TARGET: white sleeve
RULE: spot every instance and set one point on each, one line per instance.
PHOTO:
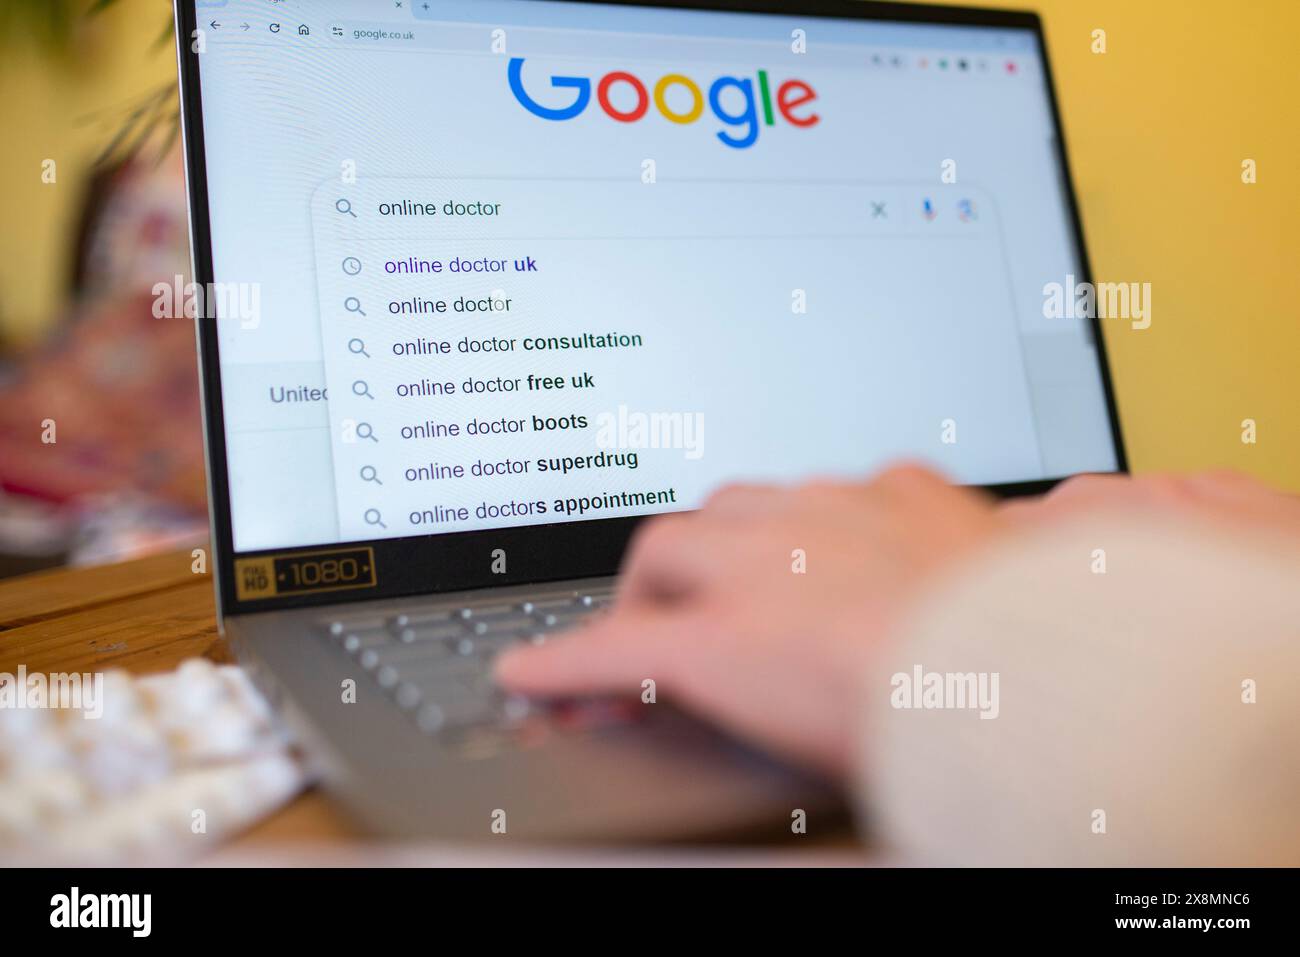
(1141, 686)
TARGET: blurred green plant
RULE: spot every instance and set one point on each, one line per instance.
(49, 24)
(149, 123)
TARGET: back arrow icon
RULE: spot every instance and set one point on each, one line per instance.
(215, 25)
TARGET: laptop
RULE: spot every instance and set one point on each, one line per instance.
(486, 283)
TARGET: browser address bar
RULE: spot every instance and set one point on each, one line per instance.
(489, 39)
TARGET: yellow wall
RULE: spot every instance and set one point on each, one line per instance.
(1158, 127)
(63, 106)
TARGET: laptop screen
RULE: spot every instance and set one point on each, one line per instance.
(490, 263)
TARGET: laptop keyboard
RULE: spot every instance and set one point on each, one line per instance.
(435, 662)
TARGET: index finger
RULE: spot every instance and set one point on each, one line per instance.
(610, 656)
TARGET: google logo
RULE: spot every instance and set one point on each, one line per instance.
(791, 96)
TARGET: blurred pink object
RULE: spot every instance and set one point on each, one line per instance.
(107, 410)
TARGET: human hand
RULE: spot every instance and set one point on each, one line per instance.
(714, 607)
(1223, 497)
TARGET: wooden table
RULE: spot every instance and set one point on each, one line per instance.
(142, 616)
(150, 615)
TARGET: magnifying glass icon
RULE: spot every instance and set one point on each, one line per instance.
(353, 304)
(364, 431)
(373, 517)
(370, 474)
(358, 348)
(345, 207)
(360, 388)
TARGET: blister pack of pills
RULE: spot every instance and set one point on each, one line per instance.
(161, 767)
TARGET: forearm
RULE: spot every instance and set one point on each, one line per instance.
(1147, 691)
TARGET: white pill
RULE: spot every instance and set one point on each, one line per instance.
(191, 692)
(135, 755)
(43, 748)
(245, 693)
(20, 817)
(17, 723)
(58, 792)
(121, 698)
(227, 732)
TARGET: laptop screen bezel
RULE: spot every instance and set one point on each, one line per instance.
(457, 561)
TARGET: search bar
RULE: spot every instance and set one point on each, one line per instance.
(465, 209)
